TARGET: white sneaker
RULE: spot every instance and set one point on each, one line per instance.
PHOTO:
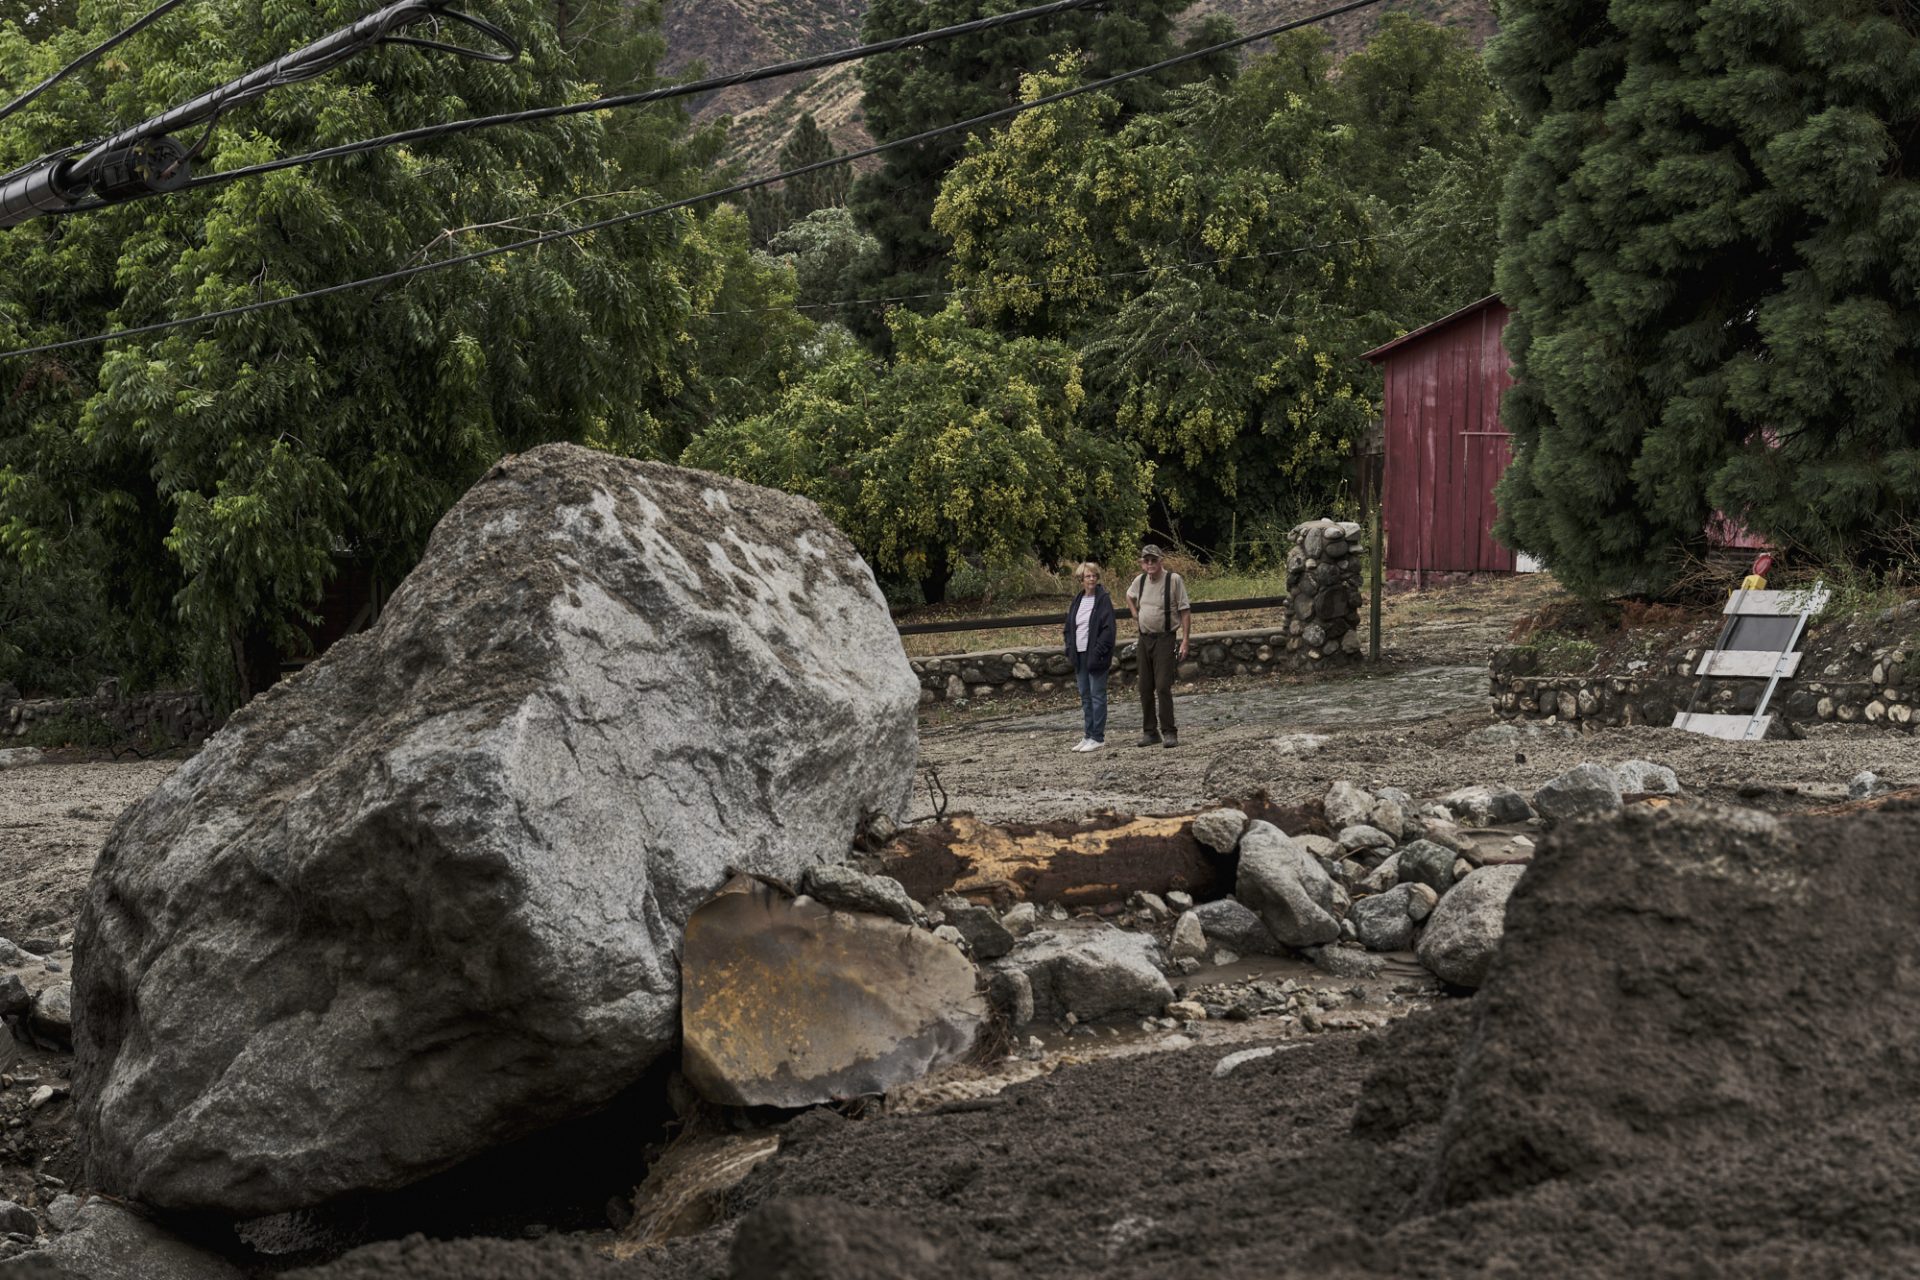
(1095, 746)
(1085, 744)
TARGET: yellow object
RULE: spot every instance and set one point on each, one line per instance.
(1753, 582)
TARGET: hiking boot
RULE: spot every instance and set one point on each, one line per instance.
(1171, 740)
(1148, 740)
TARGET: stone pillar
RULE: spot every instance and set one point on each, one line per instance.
(1326, 581)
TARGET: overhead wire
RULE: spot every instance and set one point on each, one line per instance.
(1157, 268)
(737, 188)
(664, 93)
(132, 29)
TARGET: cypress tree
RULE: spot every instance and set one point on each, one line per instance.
(1709, 245)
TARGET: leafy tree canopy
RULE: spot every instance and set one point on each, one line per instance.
(1213, 261)
(224, 473)
(918, 89)
(964, 442)
(1708, 240)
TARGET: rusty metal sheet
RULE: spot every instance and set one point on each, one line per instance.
(787, 1003)
(1076, 864)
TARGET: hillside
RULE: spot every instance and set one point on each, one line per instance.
(732, 35)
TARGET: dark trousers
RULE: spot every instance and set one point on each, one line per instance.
(1156, 656)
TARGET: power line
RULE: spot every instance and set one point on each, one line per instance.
(927, 135)
(142, 160)
(962, 290)
(712, 84)
(139, 25)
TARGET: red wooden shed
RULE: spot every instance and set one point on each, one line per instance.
(1444, 444)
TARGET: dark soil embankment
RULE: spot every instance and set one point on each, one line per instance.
(1697, 1055)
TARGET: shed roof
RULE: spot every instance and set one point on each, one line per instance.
(1380, 352)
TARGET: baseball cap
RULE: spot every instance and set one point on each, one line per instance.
(1150, 552)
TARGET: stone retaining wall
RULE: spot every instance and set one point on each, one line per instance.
(173, 717)
(1845, 676)
(1325, 583)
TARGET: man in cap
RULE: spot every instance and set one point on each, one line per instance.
(1157, 599)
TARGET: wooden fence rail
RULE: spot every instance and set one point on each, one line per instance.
(1046, 619)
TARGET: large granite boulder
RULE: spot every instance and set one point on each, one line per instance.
(426, 896)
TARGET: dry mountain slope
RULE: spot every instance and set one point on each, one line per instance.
(732, 35)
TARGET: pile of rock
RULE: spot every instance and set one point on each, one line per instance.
(1397, 875)
(1326, 581)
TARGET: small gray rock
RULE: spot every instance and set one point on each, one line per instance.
(15, 999)
(108, 1242)
(1189, 937)
(1219, 829)
(51, 1020)
(1508, 806)
(1389, 817)
(1233, 1061)
(62, 1212)
(1362, 836)
(1427, 863)
(14, 1217)
(1644, 777)
(20, 757)
(947, 933)
(1465, 929)
(1319, 846)
(1229, 923)
(850, 890)
(1385, 921)
(1347, 805)
(1094, 974)
(986, 937)
(1585, 791)
(1865, 785)
(1021, 919)
(1384, 876)
(1011, 992)
(1487, 806)
(1288, 888)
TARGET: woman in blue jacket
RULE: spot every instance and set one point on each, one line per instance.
(1091, 630)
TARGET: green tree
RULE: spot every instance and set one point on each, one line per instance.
(963, 443)
(773, 209)
(743, 336)
(827, 248)
(1708, 244)
(228, 471)
(1211, 261)
(1415, 87)
(917, 89)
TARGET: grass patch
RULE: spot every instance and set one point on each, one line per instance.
(1554, 653)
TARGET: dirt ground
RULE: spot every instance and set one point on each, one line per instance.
(1135, 1165)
